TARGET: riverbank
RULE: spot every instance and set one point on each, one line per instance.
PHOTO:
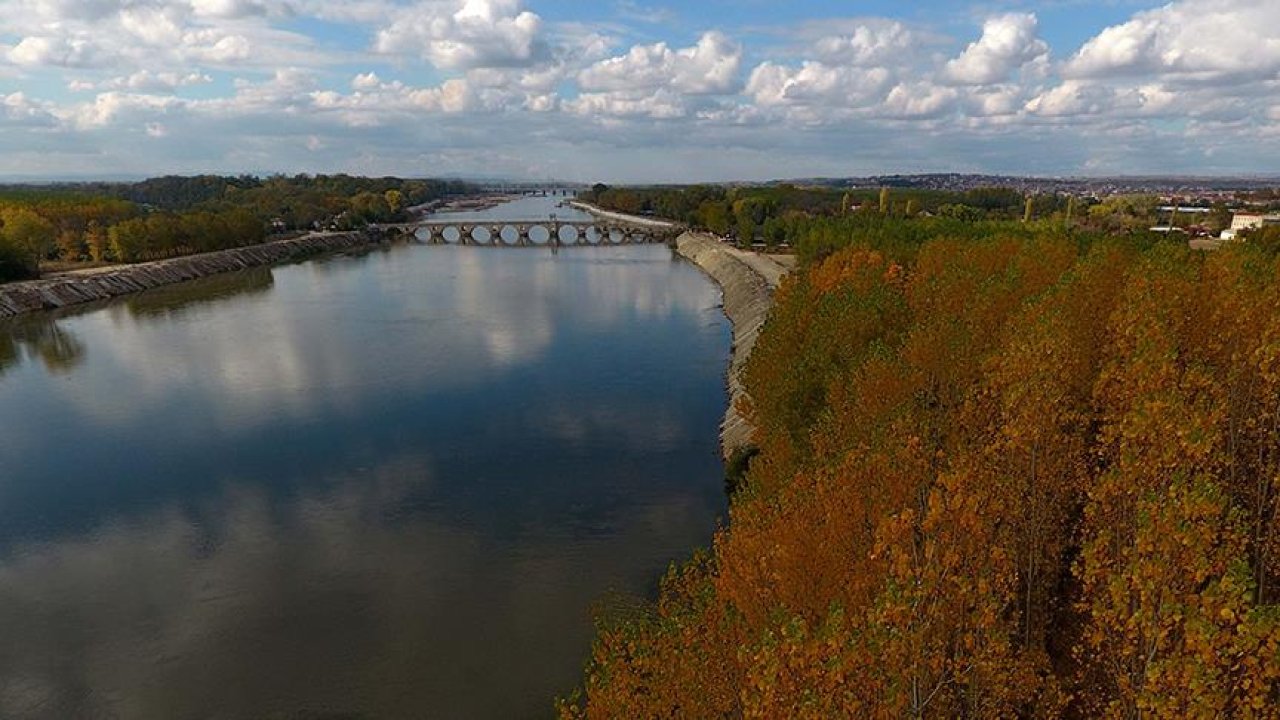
(623, 217)
(747, 281)
(73, 289)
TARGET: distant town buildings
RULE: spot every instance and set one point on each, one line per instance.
(1248, 221)
(1170, 189)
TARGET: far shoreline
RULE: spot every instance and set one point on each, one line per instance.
(76, 288)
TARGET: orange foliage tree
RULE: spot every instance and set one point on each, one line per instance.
(1020, 475)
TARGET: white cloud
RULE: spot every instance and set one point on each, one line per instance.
(920, 100)
(110, 107)
(542, 103)
(1072, 98)
(147, 81)
(1215, 40)
(376, 102)
(443, 83)
(870, 44)
(366, 81)
(16, 109)
(709, 67)
(852, 73)
(126, 36)
(33, 51)
(995, 100)
(467, 34)
(815, 83)
(211, 46)
(1008, 43)
(153, 25)
(453, 96)
(1082, 97)
(659, 105)
(228, 8)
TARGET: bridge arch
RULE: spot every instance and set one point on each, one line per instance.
(508, 235)
(539, 234)
(569, 235)
(542, 232)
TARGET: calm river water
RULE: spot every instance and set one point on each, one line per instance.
(384, 486)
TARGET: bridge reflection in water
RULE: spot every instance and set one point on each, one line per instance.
(530, 233)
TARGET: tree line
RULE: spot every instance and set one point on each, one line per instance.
(779, 215)
(169, 216)
(1020, 472)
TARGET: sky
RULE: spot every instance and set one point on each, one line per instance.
(635, 91)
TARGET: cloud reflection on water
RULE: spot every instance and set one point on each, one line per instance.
(334, 601)
(350, 322)
(189, 525)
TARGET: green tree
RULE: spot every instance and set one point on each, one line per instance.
(749, 214)
(960, 212)
(1125, 212)
(746, 230)
(129, 240)
(714, 216)
(30, 233)
(243, 228)
(775, 231)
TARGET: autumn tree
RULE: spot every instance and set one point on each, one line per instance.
(1174, 631)
(96, 242)
(1004, 471)
(394, 200)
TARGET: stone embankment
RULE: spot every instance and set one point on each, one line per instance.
(66, 290)
(623, 217)
(747, 281)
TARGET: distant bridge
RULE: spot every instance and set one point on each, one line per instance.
(520, 233)
(533, 188)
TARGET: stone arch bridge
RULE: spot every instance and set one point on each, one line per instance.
(520, 233)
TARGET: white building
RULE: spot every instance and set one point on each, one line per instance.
(1248, 221)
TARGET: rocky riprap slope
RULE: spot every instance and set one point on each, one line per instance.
(747, 299)
(73, 289)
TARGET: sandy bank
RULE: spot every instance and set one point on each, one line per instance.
(66, 290)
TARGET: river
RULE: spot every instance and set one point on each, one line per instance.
(382, 485)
